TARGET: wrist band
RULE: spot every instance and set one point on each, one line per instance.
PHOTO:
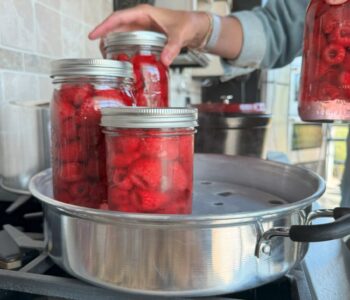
(209, 32)
(214, 34)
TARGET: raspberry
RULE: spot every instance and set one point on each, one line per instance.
(93, 168)
(120, 179)
(75, 94)
(178, 177)
(186, 149)
(346, 63)
(121, 160)
(126, 144)
(328, 91)
(67, 130)
(146, 173)
(150, 201)
(82, 93)
(89, 112)
(90, 136)
(122, 57)
(329, 23)
(321, 9)
(117, 198)
(65, 110)
(79, 189)
(61, 186)
(161, 147)
(319, 43)
(333, 54)
(331, 76)
(63, 196)
(321, 68)
(341, 34)
(71, 152)
(344, 79)
(71, 172)
(97, 192)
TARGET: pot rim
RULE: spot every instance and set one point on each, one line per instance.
(106, 216)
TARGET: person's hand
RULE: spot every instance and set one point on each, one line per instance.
(336, 2)
(183, 29)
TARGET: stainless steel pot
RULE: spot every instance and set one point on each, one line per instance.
(232, 134)
(249, 218)
(24, 143)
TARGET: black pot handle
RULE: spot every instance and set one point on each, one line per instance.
(339, 212)
(323, 232)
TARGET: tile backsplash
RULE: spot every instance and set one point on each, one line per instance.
(33, 32)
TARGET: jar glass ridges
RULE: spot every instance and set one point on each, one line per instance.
(142, 49)
(150, 159)
(325, 80)
(81, 89)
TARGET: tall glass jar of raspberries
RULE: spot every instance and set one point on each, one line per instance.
(142, 49)
(81, 88)
(150, 159)
(325, 78)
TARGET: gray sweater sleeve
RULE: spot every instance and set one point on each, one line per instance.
(273, 34)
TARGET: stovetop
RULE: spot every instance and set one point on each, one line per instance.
(27, 272)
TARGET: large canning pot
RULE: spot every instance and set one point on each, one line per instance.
(24, 143)
(250, 225)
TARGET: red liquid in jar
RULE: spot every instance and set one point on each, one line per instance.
(325, 81)
(151, 79)
(78, 145)
(150, 172)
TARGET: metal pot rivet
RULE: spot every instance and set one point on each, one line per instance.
(266, 249)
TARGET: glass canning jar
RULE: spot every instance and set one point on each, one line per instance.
(142, 49)
(81, 88)
(325, 77)
(150, 159)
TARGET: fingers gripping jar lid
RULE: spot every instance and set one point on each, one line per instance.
(91, 67)
(146, 38)
(142, 117)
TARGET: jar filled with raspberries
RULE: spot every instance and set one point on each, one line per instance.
(142, 49)
(82, 87)
(325, 79)
(150, 159)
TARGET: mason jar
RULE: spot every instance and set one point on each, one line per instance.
(325, 77)
(81, 88)
(150, 159)
(142, 49)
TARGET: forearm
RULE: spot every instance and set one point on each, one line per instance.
(230, 41)
(241, 39)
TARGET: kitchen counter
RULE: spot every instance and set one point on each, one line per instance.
(327, 268)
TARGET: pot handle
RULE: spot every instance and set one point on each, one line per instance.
(308, 233)
(323, 232)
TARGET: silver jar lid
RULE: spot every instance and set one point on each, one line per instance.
(144, 38)
(146, 117)
(91, 67)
